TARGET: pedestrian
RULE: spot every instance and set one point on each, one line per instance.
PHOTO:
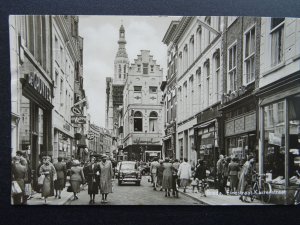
(233, 169)
(175, 179)
(93, 179)
(61, 171)
(76, 177)
(200, 174)
(49, 172)
(25, 162)
(106, 175)
(153, 170)
(220, 165)
(185, 174)
(226, 162)
(160, 171)
(167, 177)
(18, 174)
(246, 178)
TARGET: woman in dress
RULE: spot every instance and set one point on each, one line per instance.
(61, 171)
(160, 171)
(76, 178)
(48, 170)
(167, 177)
(93, 178)
(106, 174)
(233, 169)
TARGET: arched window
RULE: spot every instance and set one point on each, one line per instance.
(120, 71)
(153, 122)
(138, 121)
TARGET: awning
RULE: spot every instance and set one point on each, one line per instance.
(167, 137)
(206, 124)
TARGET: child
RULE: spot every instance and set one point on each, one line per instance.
(195, 183)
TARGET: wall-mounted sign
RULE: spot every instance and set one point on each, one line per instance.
(78, 119)
(76, 111)
(90, 136)
(67, 127)
(38, 84)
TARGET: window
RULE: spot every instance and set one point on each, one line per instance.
(207, 74)
(153, 122)
(199, 40)
(124, 71)
(145, 68)
(137, 88)
(185, 58)
(232, 68)
(249, 55)
(61, 92)
(217, 73)
(138, 68)
(198, 73)
(191, 50)
(277, 26)
(120, 71)
(138, 121)
(152, 90)
(207, 33)
(152, 68)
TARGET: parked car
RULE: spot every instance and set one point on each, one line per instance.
(129, 172)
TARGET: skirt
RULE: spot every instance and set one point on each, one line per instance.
(59, 184)
(75, 185)
(167, 182)
(234, 181)
(47, 188)
(93, 188)
(105, 186)
(184, 182)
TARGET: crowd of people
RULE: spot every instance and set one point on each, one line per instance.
(52, 178)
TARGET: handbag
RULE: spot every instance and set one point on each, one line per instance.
(27, 189)
(70, 189)
(15, 188)
(41, 179)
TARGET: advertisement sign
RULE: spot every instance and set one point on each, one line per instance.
(76, 111)
(78, 119)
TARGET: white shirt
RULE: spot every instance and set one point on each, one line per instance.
(184, 171)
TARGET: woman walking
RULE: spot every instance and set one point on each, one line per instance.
(167, 177)
(246, 177)
(93, 179)
(185, 174)
(233, 169)
(160, 171)
(48, 170)
(18, 174)
(76, 178)
(61, 171)
(106, 174)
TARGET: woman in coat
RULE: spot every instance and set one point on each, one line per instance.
(18, 174)
(167, 177)
(93, 178)
(233, 169)
(48, 170)
(245, 178)
(106, 175)
(61, 171)
(76, 178)
(160, 171)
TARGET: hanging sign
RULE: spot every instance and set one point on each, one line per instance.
(78, 119)
(76, 111)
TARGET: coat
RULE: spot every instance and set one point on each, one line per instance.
(61, 171)
(50, 175)
(106, 175)
(200, 172)
(167, 176)
(246, 176)
(184, 171)
(92, 178)
(77, 178)
(19, 174)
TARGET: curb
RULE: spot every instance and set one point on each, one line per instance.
(71, 195)
(196, 199)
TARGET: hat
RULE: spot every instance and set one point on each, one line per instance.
(103, 156)
(15, 158)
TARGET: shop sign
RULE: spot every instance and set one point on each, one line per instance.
(90, 136)
(76, 110)
(67, 127)
(37, 83)
(78, 119)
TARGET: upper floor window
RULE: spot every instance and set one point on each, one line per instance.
(138, 68)
(153, 121)
(277, 28)
(137, 88)
(138, 121)
(124, 71)
(152, 90)
(152, 68)
(249, 55)
(232, 68)
(120, 71)
(145, 68)
(207, 36)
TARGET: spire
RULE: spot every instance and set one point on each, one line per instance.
(122, 42)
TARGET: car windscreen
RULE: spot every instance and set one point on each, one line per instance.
(128, 166)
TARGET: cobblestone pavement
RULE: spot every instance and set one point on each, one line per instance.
(129, 194)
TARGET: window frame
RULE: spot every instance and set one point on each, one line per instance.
(250, 56)
(233, 68)
(278, 28)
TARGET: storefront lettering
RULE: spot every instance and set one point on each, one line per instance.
(36, 82)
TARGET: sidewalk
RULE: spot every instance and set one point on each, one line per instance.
(212, 198)
(65, 196)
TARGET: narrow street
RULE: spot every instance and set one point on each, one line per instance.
(129, 194)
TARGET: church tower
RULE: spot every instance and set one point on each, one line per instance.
(121, 60)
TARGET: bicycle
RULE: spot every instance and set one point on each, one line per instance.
(297, 197)
(261, 189)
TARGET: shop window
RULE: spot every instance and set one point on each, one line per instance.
(277, 28)
(232, 85)
(138, 121)
(153, 122)
(249, 55)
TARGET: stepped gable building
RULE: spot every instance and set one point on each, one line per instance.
(142, 113)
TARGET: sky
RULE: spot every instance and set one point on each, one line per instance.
(100, 45)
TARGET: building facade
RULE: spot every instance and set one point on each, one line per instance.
(142, 116)
(279, 99)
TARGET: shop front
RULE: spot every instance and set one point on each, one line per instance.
(35, 137)
(169, 141)
(279, 151)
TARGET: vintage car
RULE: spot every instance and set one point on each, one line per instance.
(128, 172)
